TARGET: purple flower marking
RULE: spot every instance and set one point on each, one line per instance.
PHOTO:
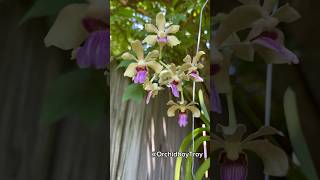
(183, 119)
(233, 170)
(162, 39)
(141, 75)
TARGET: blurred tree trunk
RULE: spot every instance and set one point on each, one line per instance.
(137, 130)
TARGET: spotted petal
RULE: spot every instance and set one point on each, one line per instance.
(67, 31)
(274, 159)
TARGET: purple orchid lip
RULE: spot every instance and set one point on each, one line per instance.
(233, 170)
(215, 104)
(174, 88)
(162, 39)
(196, 76)
(141, 75)
(183, 119)
(95, 51)
(214, 69)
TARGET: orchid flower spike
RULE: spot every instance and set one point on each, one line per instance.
(182, 107)
(173, 77)
(233, 159)
(139, 69)
(162, 32)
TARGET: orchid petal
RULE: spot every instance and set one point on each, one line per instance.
(198, 56)
(160, 21)
(275, 160)
(152, 56)
(138, 49)
(150, 28)
(232, 133)
(150, 39)
(269, 5)
(254, 2)
(171, 111)
(67, 31)
(195, 111)
(187, 59)
(155, 66)
(172, 29)
(287, 14)
(173, 41)
(128, 56)
(131, 70)
(263, 131)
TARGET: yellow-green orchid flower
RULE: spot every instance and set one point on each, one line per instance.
(162, 32)
(139, 69)
(173, 77)
(152, 89)
(233, 160)
(183, 107)
(194, 65)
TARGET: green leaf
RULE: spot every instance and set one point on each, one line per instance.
(186, 141)
(203, 106)
(47, 8)
(202, 169)
(124, 63)
(134, 92)
(296, 135)
(80, 94)
(197, 143)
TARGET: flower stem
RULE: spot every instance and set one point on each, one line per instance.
(182, 97)
(231, 110)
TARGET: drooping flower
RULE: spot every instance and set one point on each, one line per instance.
(84, 29)
(152, 90)
(173, 77)
(139, 70)
(162, 32)
(193, 66)
(183, 107)
(233, 160)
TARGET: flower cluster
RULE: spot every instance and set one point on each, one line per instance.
(154, 74)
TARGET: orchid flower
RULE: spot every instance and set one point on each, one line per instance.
(233, 159)
(194, 65)
(266, 39)
(182, 107)
(82, 28)
(139, 69)
(173, 77)
(162, 32)
(152, 89)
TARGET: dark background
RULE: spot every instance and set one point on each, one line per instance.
(68, 149)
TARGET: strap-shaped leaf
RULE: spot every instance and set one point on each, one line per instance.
(202, 169)
(296, 135)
